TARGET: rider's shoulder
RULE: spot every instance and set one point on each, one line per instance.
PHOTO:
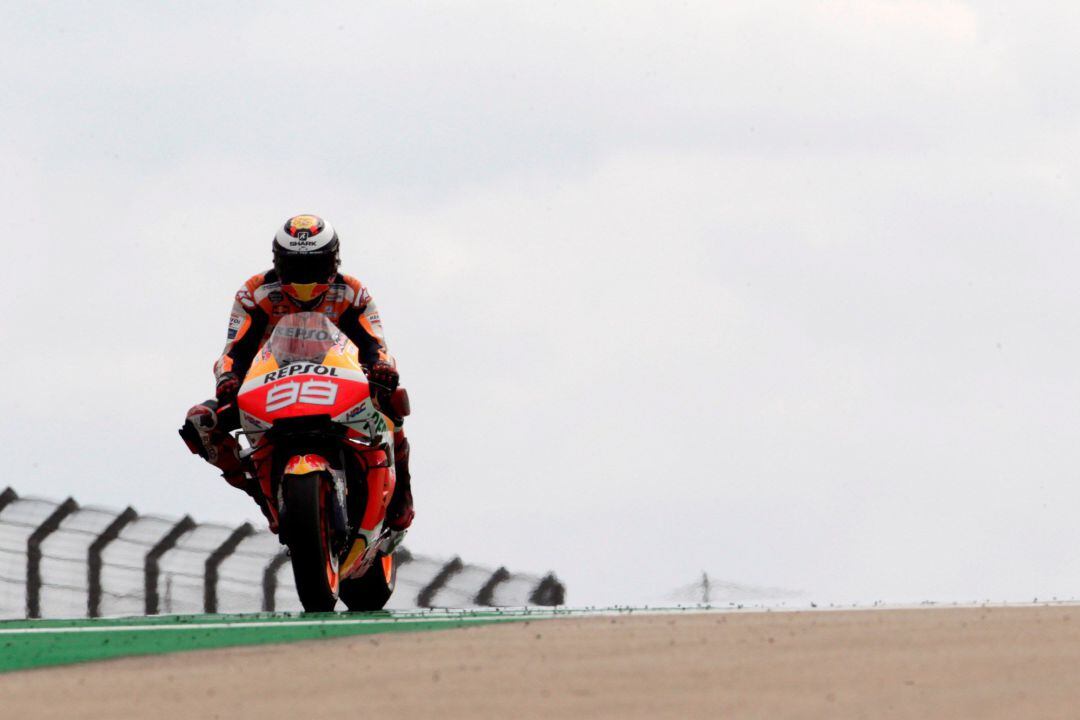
(358, 293)
(349, 280)
(258, 280)
(255, 288)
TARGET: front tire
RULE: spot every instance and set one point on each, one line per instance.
(315, 565)
(373, 589)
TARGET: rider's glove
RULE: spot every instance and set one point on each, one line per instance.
(227, 386)
(385, 374)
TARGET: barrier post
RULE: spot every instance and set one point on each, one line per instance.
(151, 569)
(449, 570)
(33, 554)
(487, 592)
(227, 548)
(270, 580)
(549, 592)
(93, 559)
(7, 497)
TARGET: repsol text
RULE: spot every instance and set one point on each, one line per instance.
(299, 369)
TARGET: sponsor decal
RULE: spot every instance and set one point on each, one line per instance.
(244, 298)
(357, 411)
(276, 296)
(364, 415)
(312, 392)
(250, 420)
(299, 369)
(299, 333)
(379, 425)
(235, 321)
(373, 318)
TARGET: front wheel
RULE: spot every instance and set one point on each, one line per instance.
(373, 589)
(307, 516)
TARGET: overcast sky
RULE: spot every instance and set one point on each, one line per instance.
(782, 291)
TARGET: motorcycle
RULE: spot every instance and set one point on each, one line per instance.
(321, 449)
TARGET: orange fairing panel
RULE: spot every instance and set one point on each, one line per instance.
(343, 357)
(380, 482)
(306, 464)
(263, 363)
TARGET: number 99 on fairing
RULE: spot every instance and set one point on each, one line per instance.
(312, 392)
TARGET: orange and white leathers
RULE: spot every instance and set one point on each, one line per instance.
(262, 302)
(258, 307)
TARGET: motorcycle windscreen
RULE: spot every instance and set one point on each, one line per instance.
(303, 337)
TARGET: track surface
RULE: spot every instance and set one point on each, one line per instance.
(965, 663)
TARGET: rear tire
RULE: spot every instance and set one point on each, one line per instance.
(307, 531)
(373, 589)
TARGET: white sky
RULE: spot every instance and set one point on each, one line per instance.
(784, 291)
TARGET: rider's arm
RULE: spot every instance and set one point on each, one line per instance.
(361, 323)
(247, 323)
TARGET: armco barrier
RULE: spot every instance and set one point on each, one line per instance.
(63, 560)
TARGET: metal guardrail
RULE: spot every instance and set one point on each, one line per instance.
(63, 560)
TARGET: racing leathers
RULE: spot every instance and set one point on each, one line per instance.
(258, 307)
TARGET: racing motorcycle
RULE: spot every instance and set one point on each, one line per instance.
(321, 448)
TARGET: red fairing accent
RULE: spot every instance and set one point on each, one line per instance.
(380, 482)
(263, 454)
(303, 395)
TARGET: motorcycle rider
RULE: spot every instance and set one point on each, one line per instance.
(304, 278)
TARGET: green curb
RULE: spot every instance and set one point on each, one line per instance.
(34, 644)
(28, 644)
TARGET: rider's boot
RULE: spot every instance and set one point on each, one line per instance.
(205, 437)
(399, 512)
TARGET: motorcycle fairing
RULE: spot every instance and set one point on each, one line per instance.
(328, 380)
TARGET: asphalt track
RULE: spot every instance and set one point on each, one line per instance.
(971, 662)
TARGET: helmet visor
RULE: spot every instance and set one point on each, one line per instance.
(306, 268)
